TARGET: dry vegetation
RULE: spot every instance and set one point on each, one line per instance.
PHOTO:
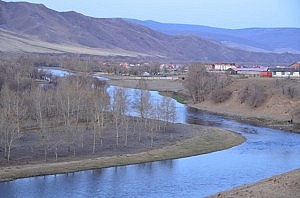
(201, 85)
(204, 140)
(74, 117)
(285, 185)
(268, 101)
(81, 111)
(14, 43)
(272, 102)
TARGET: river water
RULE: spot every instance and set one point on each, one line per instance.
(267, 152)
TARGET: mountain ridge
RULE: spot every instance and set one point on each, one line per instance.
(260, 39)
(72, 28)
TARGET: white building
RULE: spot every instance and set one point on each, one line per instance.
(284, 72)
(223, 66)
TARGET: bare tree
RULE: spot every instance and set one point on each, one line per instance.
(168, 111)
(253, 95)
(119, 109)
(143, 103)
(10, 112)
(39, 101)
(220, 95)
(201, 83)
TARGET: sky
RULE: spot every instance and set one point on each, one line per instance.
(232, 14)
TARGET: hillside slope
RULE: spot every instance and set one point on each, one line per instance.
(71, 28)
(14, 43)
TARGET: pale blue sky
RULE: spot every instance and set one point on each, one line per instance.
(216, 13)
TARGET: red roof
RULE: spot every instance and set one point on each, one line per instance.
(295, 65)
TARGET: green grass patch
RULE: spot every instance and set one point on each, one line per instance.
(179, 97)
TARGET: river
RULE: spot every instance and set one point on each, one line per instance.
(267, 152)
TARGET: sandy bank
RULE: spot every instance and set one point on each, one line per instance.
(284, 185)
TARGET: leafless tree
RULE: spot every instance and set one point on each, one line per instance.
(253, 95)
(119, 107)
(201, 83)
(11, 108)
(220, 95)
(168, 111)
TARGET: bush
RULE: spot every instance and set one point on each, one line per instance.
(201, 83)
(219, 96)
(253, 95)
(295, 114)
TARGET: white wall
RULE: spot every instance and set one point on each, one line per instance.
(285, 74)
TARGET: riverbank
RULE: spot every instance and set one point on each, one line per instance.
(284, 185)
(203, 140)
(265, 115)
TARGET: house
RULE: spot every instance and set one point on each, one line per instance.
(251, 70)
(146, 74)
(231, 71)
(285, 72)
(295, 65)
(223, 66)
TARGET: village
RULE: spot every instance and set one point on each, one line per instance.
(173, 71)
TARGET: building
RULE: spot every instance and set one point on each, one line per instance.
(253, 71)
(295, 65)
(266, 74)
(223, 66)
(285, 72)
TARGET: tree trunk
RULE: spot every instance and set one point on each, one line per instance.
(94, 142)
(8, 153)
(56, 154)
(126, 132)
(45, 153)
(117, 133)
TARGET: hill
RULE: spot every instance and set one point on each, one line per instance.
(14, 43)
(254, 39)
(37, 22)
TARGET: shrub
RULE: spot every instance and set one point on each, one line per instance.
(221, 95)
(253, 95)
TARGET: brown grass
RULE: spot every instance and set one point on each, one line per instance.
(11, 42)
(285, 185)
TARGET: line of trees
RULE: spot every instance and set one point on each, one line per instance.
(84, 63)
(65, 113)
(204, 85)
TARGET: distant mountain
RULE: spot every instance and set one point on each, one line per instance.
(253, 39)
(37, 22)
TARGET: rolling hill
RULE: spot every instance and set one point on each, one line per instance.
(254, 39)
(37, 23)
